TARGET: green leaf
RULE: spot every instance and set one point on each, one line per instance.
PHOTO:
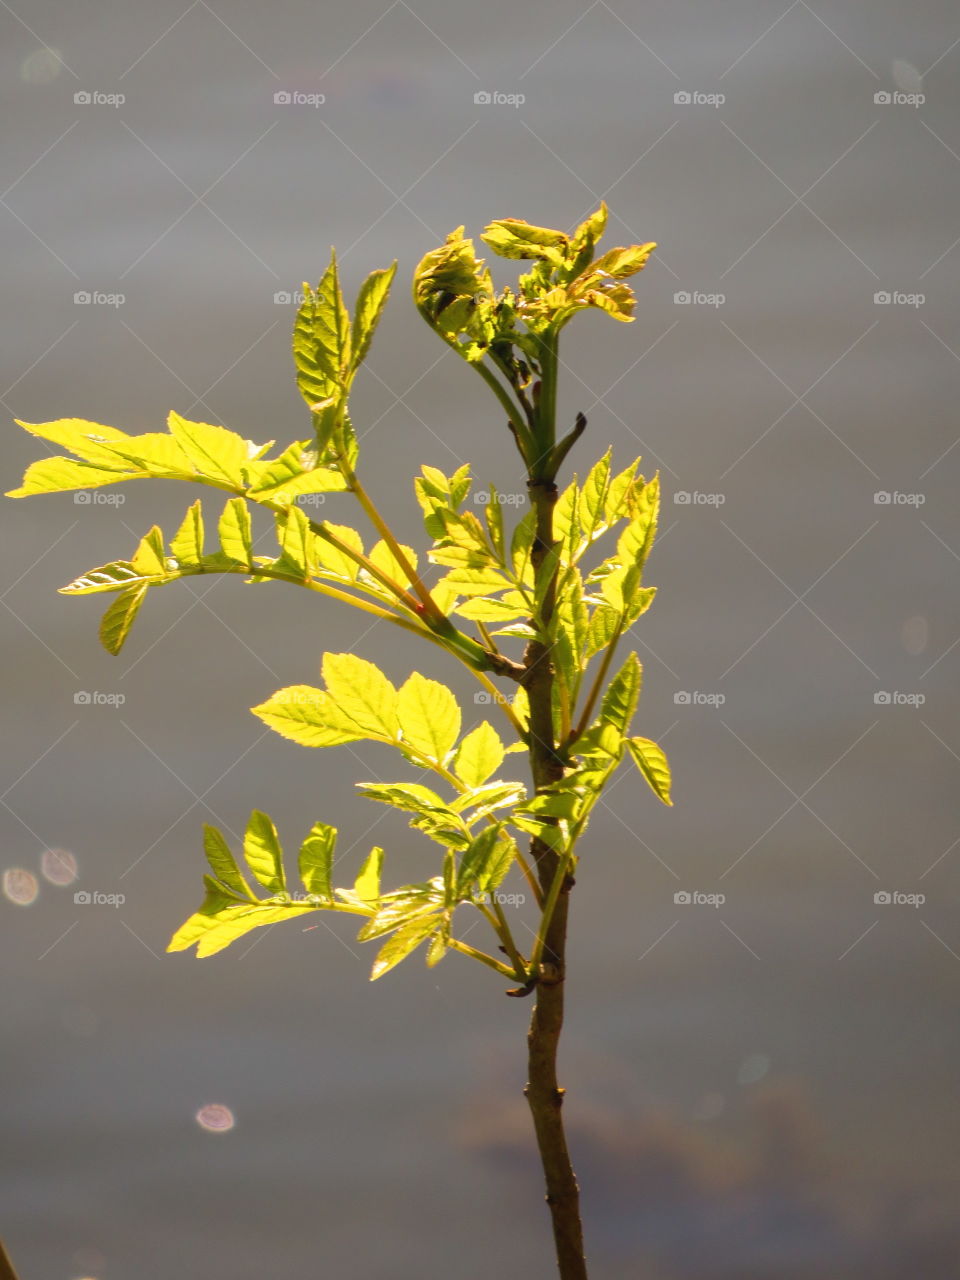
(604, 625)
(261, 848)
(296, 540)
(120, 616)
(308, 716)
(483, 800)
(362, 692)
(296, 471)
(223, 864)
(371, 301)
(216, 453)
(236, 535)
(383, 557)
(401, 944)
(149, 559)
(652, 763)
(429, 717)
(321, 340)
(623, 692)
(633, 545)
(214, 926)
(316, 859)
(367, 883)
(479, 755)
(186, 546)
(512, 238)
(334, 561)
(57, 475)
(411, 797)
(486, 861)
(115, 576)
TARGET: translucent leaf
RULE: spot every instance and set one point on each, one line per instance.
(603, 627)
(108, 577)
(149, 559)
(308, 716)
(513, 238)
(335, 561)
(652, 763)
(400, 944)
(236, 536)
(321, 341)
(487, 860)
(261, 849)
(384, 559)
(411, 797)
(223, 864)
(215, 452)
(120, 616)
(622, 262)
(363, 693)
(623, 692)
(295, 538)
(57, 475)
(186, 546)
(282, 480)
(633, 545)
(479, 755)
(492, 609)
(316, 860)
(429, 716)
(367, 884)
(371, 301)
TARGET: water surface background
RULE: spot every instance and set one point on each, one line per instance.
(764, 1090)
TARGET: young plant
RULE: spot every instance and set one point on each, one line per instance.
(540, 583)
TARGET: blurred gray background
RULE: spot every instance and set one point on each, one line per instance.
(762, 1090)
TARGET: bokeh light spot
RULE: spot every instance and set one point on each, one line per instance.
(215, 1118)
(59, 866)
(41, 67)
(20, 886)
